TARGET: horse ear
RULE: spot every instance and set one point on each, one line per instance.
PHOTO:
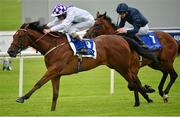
(24, 25)
(105, 13)
(97, 14)
(34, 25)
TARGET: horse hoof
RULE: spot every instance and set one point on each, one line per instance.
(136, 104)
(165, 98)
(149, 89)
(20, 100)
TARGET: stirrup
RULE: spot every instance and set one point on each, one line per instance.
(144, 46)
(82, 51)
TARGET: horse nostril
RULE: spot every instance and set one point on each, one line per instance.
(9, 51)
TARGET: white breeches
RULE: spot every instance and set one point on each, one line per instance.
(143, 30)
(80, 26)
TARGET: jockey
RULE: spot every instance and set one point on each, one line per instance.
(69, 19)
(134, 17)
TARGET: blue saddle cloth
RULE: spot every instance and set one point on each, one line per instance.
(85, 47)
(87, 44)
(151, 41)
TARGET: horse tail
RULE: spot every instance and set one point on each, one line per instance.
(178, 49)
(141, 51)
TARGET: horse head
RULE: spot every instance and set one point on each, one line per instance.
(21, 39)
(31, 34)
(103, 25)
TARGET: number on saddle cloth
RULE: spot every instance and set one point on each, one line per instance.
(151, 41)
(84, 46)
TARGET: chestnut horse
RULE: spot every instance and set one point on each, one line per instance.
(167, 54)
(112, 51)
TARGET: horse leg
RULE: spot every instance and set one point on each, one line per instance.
(131, 87)
(55, 84)
(136, 85)
(161, 84)
(147, 88)
(173, 77)
(136, 95)
(142, 90)
(49, 75)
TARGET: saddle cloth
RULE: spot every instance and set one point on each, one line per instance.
(151, 41)
(86, 44)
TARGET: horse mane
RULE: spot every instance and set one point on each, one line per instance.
(23, 26)
(38, 27)
(108, 18)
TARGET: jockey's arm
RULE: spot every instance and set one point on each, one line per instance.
(122, 23)
(53, 23)
(134, 30)
(64, 24)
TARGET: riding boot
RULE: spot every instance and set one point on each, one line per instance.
(137, 39)
(83, 50)
(75, 36)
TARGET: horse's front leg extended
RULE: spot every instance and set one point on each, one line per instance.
(50, 74)
(55, 84)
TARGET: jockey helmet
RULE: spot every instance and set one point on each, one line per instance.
(122, 7)
(59, 10)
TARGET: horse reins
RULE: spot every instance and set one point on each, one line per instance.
(54, 48)
(49, 51)
(44, 36)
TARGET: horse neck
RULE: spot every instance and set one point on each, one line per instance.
(43, 43)
(110, 29)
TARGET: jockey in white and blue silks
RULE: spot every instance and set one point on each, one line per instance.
(70, 19)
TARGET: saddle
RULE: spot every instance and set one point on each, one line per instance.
(151, 41)
(85, 47)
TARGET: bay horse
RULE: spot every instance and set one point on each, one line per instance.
(104, 25)
(112, 51)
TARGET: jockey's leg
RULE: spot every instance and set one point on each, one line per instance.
(75, 35)
(80, 27)
(137, 39)
(142, 31)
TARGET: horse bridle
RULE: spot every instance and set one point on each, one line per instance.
(97, 27)
(20, 44)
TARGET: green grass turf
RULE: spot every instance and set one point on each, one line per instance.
(85, 93)
(10, 14)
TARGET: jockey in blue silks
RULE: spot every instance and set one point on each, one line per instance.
(70, 19)
(134, 17)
